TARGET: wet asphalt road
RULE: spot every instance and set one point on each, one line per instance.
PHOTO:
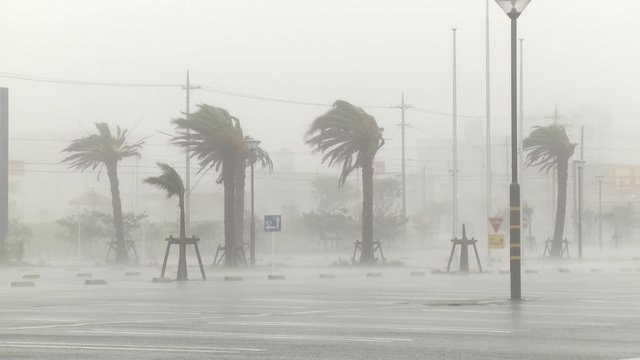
(566, 315)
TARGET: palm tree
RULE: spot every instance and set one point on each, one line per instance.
(105, 149)
(215, 138)
(347, 134)
(172, 184)
(247, 158)
(549, 148)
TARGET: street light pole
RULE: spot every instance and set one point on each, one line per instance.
(600, 212)
(253, 222)
(580, 206)
(488, 129)
(187, 194)
(514, 8)
(251, 145)
(514, 188)
(455, 142)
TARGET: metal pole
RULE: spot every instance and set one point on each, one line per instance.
(455, 141)
(521, 129)
(580, 204)
(424, 188)
(404, 174)
(580, 191)
(79, 231)
(600, 212)
(187, 194)
(273, 247)
(4, 172)
(488, 130)
(514, 188)
(253, 222)
(574, 217)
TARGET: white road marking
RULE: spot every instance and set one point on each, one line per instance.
(468, 319)
(366, 326)
(79, 346)
(45, 326)
(536, 313)
(245, 335)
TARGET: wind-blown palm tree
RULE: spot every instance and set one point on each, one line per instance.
(347, 134)
(172, 184)
(247, 158)
(105, 149)
(549, 148)
(215, 139)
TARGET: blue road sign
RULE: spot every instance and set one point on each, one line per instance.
(272, 223)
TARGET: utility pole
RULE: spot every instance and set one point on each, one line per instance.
(454, 171)
(600, 211)
(488, 130)
(404, 165)
(4, 172)
(402, 108)
(187, 178)
(424, 188)
(580, 191)
(554, 174)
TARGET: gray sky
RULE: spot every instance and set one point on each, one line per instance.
(367, 52)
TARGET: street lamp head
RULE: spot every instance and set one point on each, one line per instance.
(251, 143)
(513, 8)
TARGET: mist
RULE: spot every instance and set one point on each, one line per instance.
(180, 158)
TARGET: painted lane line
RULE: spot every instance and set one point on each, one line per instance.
(532, 313)
(75, 346)
(467, 320)
(262, 336)
(367, 326)
(45, 326)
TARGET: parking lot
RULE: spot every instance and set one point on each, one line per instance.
(580, 312)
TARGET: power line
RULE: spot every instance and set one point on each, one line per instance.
(262, 98)
(80, 82)
(206, 88)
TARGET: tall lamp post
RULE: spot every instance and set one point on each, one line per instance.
(252, 145)
(513, 9)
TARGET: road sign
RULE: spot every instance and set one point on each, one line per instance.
(272, 223)
(495, 223)
(496, 241)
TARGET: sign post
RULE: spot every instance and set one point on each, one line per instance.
(272, 224)
(496, 240)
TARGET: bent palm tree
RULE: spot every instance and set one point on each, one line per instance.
(247, 158)
(215, 139)
(349, 135)
(549, 148)
(105, 149)
(172, 184)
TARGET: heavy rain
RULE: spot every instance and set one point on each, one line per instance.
(319, 179)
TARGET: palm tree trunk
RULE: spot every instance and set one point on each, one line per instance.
(228, 179)
(182, 257)
(558, 232)
(118, 224)
(239, 203)
(366, 256)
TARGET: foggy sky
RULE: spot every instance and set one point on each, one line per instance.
(367, 52)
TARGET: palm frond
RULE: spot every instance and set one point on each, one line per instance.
(212, 135)
(170, 181)
(90, 152)
(345, 134)
(546, 146)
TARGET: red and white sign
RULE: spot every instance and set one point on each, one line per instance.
(496, 222)
(379, 167)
